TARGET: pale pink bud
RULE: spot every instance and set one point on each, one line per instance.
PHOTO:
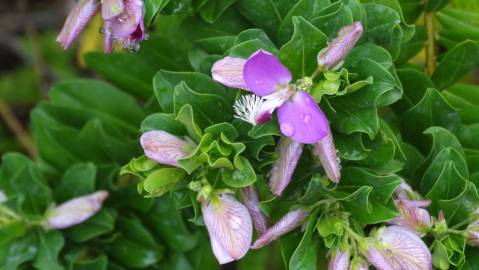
(75, 211)
(78, 18)
(411, 216)
(251, 201)
(111, 8)
(399, 248)
(403, 191)
(286, 224)
(339, 48)
(229, 71)
(164, 147)
(326, 152)
(339, 261)
(282, 171)
(472, 234)
(229, 227)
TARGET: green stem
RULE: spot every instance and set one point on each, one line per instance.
(429, 22)
(455, 231)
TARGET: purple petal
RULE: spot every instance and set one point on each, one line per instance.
(111, 8)
(229, 72)
(412, 217)
(164, 148)
(78, 18)
(75, 211)
(339, 48)
(302, 120)
(282, 171)
(263, 73)
(251, 201)
(405, 249)
(286, 224)
(377, 259)
(339, 261)
(229, 227)
(326, 152)
(108, 39)
(127, 23)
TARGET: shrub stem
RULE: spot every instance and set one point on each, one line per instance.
(429, 22)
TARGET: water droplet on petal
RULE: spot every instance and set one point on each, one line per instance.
(306, 118)
(287, 129)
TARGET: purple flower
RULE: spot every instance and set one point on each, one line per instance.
(75, 211)
(412, 216)
(251, 201)
(299, 116)
(339, 260)
(165, 148)
(283, 168)
(123, 22)
(398, 248)
(286, 224)
(229, 227)
(348, 36)
(78, 18)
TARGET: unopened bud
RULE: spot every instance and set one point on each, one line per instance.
(283, 168)
(164, 147)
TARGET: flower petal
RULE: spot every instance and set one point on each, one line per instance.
(108, 39)
(412, 217)
(302, 120)
(229, 227)
(251, 201)
(78, 18)
(378, 260)
(280, 175)
(339, 261)
(405, 249)
(163, 147)
(127, 23)
(326, 152)
(111, 8)
(229, 72)
(263, 73)
(286, 224)
(75, 211)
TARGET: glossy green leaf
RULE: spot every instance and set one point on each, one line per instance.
(305, 255)
(49, 246)
(101, 223)
(78, 180)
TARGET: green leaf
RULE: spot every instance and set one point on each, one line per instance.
(152, 7)
(456, 63)
(415, 83)
(16, 252)
(299, 53)
(49, 246)
(101, 223)
(331, 19)
(162, 121)
(448, 185)
(78, 180)
(431, 110)
(457, 208)
(213, 9)
(463, 97)
(162, 180)
(305, 256)
(243, 175)
(435, 5)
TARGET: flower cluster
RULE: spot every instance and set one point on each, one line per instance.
(123, 22)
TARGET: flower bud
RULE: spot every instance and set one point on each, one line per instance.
(286, 224)
(164, 147)
(229, 227)
(250, 200)
(339, 48)
(111, 8)
(472, 234)
(339, 261)
(399, 248)
(411, 216)
(326, 152)
(282, 171)
(75, 211)
(128, 27)
(229, 72)
(78, 18)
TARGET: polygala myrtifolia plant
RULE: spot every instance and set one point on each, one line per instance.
(296, 134)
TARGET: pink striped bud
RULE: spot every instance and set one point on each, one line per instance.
(229, 72)
(251, 201)
(283, 168)
(229, 227)
(412, 216)
(472, 234)
(326, 152)
(164, 147)
(399, 248)
(78, 18)
(75, 211)
(339, 48)
(339, 260)
(286, 224)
